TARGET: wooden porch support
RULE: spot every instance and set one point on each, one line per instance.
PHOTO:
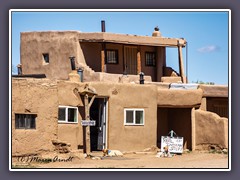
(138, 61)
(181, 67)
(87, 117)
(103, 52)
(193, 123)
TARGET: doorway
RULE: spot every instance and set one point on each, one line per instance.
(176, 119)
(98, 112)
(130, 59)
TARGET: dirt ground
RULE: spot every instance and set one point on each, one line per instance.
(196, 159)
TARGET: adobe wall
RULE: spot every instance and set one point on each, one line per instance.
(161, 62)
(120, 96)
(59, 45)
(174, 98)
(148, 70)
(68, 96)
(38, 97)
(116, 68)
(129, 96)
(44, 96)
(92, 55)
(210, 129)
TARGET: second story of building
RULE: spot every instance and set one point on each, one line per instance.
(49, 53)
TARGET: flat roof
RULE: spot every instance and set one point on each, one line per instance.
(130, 39)
(214, 90)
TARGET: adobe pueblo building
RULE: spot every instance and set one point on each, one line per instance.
(68, 78)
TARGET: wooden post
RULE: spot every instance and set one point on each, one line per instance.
(181, 67)
(103, 58)
(138, 61)
(87, 128)
(87, 118)
(193, 123)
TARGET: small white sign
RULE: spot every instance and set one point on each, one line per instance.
(175, 144)
(88, 123)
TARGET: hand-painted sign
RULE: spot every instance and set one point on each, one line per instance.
(88, 123)
(175, 144)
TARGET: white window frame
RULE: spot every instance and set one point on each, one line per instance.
(134, 116)
(66, 115)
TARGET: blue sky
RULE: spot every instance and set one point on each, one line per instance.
(206, 34)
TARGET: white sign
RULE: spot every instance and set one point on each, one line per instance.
(88, 123)
(175, 144)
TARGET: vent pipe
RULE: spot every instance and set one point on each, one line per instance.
(156, 32)
(72, 60)
(141, 78)
(103, 26)
(19, 69)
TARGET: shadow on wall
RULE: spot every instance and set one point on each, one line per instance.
(168, 71)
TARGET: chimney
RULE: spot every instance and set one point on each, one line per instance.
(156, 32)
(103, 26)
(19, 69)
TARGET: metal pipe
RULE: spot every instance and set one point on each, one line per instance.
(80, 73)
(103, 26)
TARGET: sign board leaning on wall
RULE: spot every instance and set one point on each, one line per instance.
(175, 144)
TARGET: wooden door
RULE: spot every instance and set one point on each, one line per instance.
(130, 58)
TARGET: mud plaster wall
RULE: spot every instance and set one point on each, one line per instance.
(148, 70)
(161, 62)
(210, 129)
(176, 119)
(120, 96)
(38, 97)
(59, 45)
(116, 68)
(129, 96)
(68, 96)
(174, 98)
(92, 55)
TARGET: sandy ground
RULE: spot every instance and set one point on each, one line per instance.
(142, 160)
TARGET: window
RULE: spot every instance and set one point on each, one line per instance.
(67, 114)
(46, 57)
(112, 57)
(133, 116)
(25, 121)
(150, 58)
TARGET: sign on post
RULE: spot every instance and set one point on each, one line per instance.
(175, 144)
(88, 123)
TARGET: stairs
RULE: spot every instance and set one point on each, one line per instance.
(89, 74)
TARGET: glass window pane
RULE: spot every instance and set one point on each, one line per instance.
(139, 117)
(112, 56)
(33, 122)
(61, 114)
(19, 121)
(27, 121)
(129, 116)
(72, 115)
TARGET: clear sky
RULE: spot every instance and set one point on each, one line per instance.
(206, 34)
